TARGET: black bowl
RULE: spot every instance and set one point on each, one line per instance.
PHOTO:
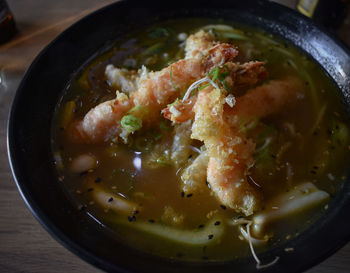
(42, 86)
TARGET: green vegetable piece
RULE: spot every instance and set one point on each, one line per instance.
(214, 73)
(131, 123)
(160, 32)
(203, 86)
(138, 109)
(173, 103)
(68, 113)
(156, 48)
(163, 161)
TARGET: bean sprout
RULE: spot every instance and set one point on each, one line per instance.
(196, 84)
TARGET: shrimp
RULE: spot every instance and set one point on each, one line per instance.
(156, 90)
(230, 153)
(101, 122)
(264, 100)
(198, 44)
(237, 76)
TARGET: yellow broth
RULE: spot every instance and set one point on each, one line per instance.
(310, 144)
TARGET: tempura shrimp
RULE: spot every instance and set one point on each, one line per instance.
(264, 100)
(156, 90)
(236, 76)
(198, 44)
(230, 153)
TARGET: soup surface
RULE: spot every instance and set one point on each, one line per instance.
(194, 138)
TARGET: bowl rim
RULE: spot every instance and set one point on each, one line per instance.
(32, 204)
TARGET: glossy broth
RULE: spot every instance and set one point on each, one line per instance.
(311, 144)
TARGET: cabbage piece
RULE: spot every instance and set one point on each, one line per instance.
(180, 149)
(194, 177)
(122, 79)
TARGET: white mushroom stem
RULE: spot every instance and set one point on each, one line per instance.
(83, 163)
(114, 202)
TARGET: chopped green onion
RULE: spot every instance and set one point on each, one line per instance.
(174, 103)
(131, 123)
(214, 73)
(203, 86)
(138, 109)
(160, 32)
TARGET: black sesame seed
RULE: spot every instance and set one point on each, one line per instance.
(190, 156)
(210, 236)
(217, 223)
(223, 207)
(135, 212)
(182, 194)
(189, 195)
(201, 226)
(208, 185)
(313, 172)
(110, 199)
(151, 221)
(90, 189)
(98, 180)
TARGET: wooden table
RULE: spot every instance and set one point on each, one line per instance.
(24, 245)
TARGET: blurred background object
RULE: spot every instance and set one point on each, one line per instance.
(7, 22)
(328, 13)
